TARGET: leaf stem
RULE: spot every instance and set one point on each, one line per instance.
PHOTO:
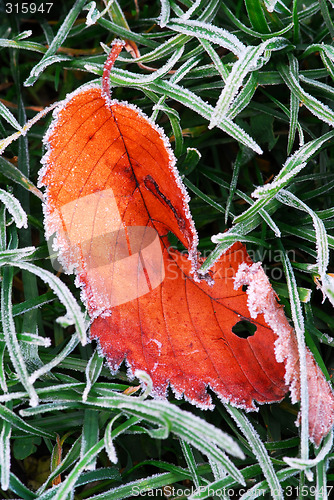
(116, 49)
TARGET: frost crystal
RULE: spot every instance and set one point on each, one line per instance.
(164, 14)
(263, 300)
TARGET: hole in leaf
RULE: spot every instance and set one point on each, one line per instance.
(244, 329)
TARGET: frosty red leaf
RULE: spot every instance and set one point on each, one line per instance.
(181, 330)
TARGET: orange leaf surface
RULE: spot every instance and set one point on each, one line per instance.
(113, 194)
(181, 334)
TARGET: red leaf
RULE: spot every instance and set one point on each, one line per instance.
(181, 334)
(113, 194)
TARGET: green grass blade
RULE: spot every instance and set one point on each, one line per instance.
(109, 440)
(68, 484)
(188, 163)
(126, 34)
(43, 370)
(190, 459)
(115, 13)
(256, 16)
(328, 63)
(325, 89)
(321, 235)
(245, 29)
(250, 60)
(292, 166)
(27, 305)
(218, 473)
(221, 68)
(299, 463)
(327, 287)
(31, 338)
(260, 489)
(65, 296)
(327, 56)
(296, 21)
(3, 382)
(9, 331)
(242, 153)
(208, 32)
(14, 208)
(71, 457)
(5, 453)
(194, 102)
(142, 80)
(225, 240)
(287, 112)
(66, 488)
(63, 31)
(90, 436)
(317, 108)
(172, 114)
(294, 110)
(192, 9)
(298, 321)
(321, 480)
(182, 423)
(9, 117)
(210, 9)
(42, 65)
(259, 450)
(174, 119)
(14, 44)
(162, 51)
(17, 422)
(19, 489)
(223, 485)
(13, 173)
(203, 196)
(327, 17)
(139, 487)
(15, 255)
(306, 233)
(270, 5)
(18, 135)
(244, 97)
(93, 370)
(195, 431)
(3, 230)
(164, 14)
(111, 434)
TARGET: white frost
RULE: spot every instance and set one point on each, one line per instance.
(14, 208)
(164, 13)
(262, 300)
